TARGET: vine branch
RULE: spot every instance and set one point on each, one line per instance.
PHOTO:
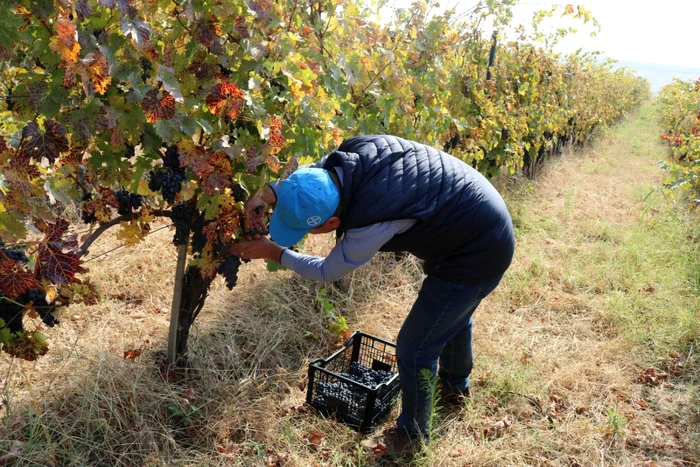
(107, 225)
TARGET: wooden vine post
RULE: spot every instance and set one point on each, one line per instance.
(177, 300)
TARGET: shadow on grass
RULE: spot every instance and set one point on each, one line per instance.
(240, 402)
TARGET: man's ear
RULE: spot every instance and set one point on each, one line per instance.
(329, 226)
(333, 223)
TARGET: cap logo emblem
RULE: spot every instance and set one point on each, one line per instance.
(313, 221)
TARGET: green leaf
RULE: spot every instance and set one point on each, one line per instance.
(274, 266)
(151, 140)
(251, 182)
(206, 126)
(11, 224)
(189, 126)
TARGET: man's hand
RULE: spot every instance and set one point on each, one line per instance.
(262, 248)
(254, 212)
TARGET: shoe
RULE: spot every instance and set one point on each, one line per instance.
(393, 442)
(448, 398)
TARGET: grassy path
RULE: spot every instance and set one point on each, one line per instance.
(605, 286)
(586, 355)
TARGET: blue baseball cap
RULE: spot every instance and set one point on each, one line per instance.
(306, 199)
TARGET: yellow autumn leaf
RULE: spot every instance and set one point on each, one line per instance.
(130, 233)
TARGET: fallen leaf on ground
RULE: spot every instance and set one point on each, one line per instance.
(498, 428)
(651, 377)
(132, 354)
(376, 446)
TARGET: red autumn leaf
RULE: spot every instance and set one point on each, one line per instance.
(28, 347)
(65, 42)
(276, 140)
(98, 70)
(207, 30)
(193, 157)
(14, 280)
(223, 227)
(132, 354)
(162, 108)
(290, 166)
(53, 231)
(226, 99)
(239, 25)
(55, 265)
(201, 70)
(217, 175)
(49, 144)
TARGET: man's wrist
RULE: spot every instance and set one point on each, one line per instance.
(275, 253)
(269, 196)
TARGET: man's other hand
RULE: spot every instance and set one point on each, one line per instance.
(262, 248)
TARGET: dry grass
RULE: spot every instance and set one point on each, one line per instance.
(604, 285)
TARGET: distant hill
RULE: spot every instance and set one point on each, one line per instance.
(660, 75)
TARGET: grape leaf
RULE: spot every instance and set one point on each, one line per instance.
(98, 71)
(132, 233)
(28, 346)
(138, 30)
(162, 108)
(226, 99)
(56, 266)
(207, 30)
(193, 157)
(217, 175)
(82, 292)
(223, 226)
(83, 9)
(65, 42)
(49, 144)
(14, 280)
(52, 231)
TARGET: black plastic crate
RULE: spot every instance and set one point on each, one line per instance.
(358, 405)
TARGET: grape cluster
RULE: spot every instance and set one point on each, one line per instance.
(128, 201)
(239, 193)
(88, 218)
(354, 396)
(11, 314)
(45, 310)
(229, 269)
(15, 254)
(168, 180)
(171, 159)
(364, 375)
(199, 240)
(130, 151)
(146, 68)
(183, 218)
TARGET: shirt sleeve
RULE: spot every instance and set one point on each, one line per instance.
(356, 248)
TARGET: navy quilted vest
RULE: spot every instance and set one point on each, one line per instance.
(464, 232)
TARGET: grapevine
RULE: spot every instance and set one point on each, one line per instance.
(141, 109)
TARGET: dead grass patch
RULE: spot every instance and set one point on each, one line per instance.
(600, 290)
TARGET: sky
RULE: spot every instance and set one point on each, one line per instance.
(661, 32)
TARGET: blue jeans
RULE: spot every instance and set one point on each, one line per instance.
(439, 326)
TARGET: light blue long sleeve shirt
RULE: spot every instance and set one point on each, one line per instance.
(356, 247)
